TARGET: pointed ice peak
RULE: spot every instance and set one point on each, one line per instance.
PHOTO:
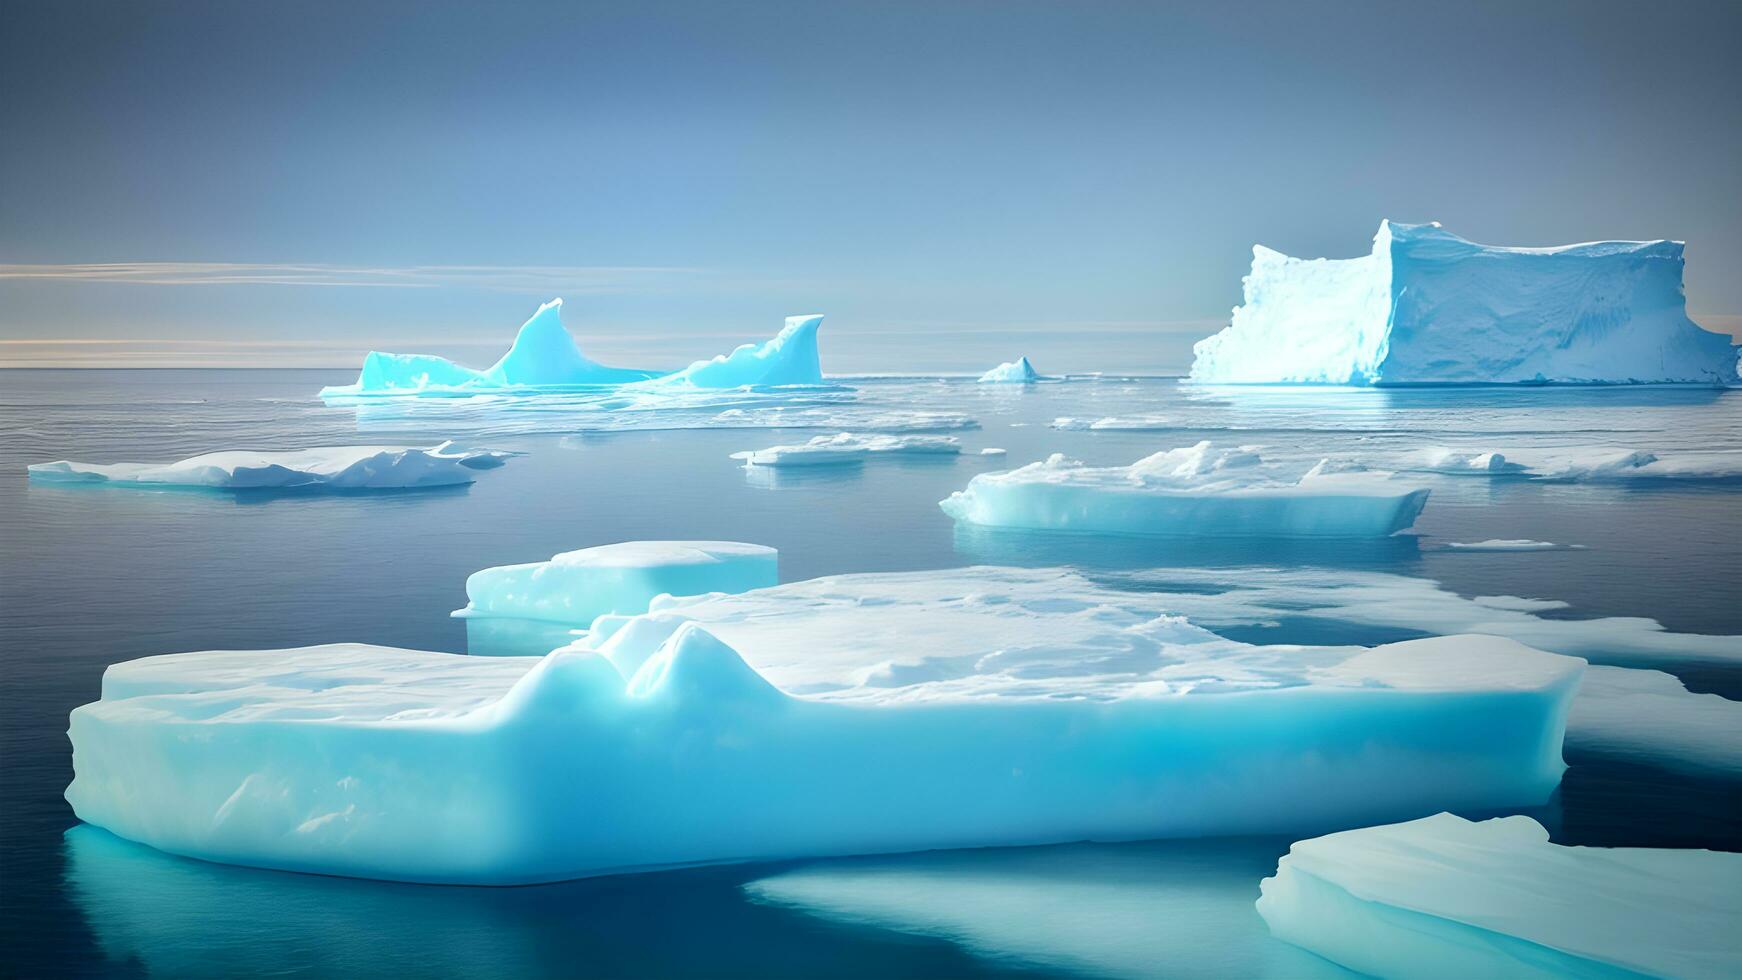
(567, 681)
(1018, 371)
(695, 668)
(788, 358)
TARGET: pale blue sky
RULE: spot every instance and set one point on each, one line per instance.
(952, 183)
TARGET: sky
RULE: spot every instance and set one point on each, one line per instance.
(953, 183)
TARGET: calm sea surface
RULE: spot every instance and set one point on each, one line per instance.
(93, 576)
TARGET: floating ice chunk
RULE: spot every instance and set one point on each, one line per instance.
(1135, 423)
(948, 709)
(1648, 715)
(544, 356)
(790, 358)
(1428, 306)
(1510, 544)
(992, 451)
(848, 447)
(1442, 460)
(1445, 897)
(1193, 490)
(1631, 464)
(576, 587)
(326, 468)
(1018, 371)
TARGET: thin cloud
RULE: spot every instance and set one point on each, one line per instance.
(527, 279)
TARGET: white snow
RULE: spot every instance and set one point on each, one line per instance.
(324, 468)
(1196, 490)
(849, 447)
(1447, 897)
(858, 714)
(575, 587)
(545, 356)
(1429, 307)
(1018, 371)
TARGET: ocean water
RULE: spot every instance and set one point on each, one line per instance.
(93, 576)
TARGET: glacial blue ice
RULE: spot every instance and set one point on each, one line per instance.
(1445, 897)
(1019, 371)
(850, 447)
(545, 356)
(1195, 490)
(886, 713)
(576, 587)
(1429, 307)
(324, 468)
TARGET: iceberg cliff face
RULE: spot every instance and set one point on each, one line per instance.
(544, 355)
(1429, 307)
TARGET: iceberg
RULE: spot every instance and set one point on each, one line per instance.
(1448, 897)
(1131, 423)
(790, 358)
(1018, 371)
(545, 356)
(1429, 307)
(849, 447)
(862, 714)
(331, 468)
(1197, 490)
(577, 587)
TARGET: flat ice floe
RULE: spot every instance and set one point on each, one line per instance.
(1510, 544)
(1650, 716)
(853, 715)
(850, 447)
(1593, 465)
(325, 468)
(576, 587)
(545, 356)
(1018, 371)
(1429, 307)
(1446, 897)
(1197, 490)
(1133, 423)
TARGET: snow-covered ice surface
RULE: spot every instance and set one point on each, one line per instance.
(957, 708)
(1587, 465)
(1195, 490)
(850, 447)
(1429, 307)
(1447, 897)
(1018, 371)
(545, 356)
(323, 468)
(575, 587)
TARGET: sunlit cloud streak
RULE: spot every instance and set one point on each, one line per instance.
(527, 279)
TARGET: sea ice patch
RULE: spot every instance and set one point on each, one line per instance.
(1447, 897)
(576, 587)
(850, 447)
(1019, 371)
(324, 468)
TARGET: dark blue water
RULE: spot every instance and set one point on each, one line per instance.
(90, 577)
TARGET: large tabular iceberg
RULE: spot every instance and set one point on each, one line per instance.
(1197, 490)
(839, 716)
(1445, 897)
(1429, 307)
(576, 587)
(326, 468)
(544, 356)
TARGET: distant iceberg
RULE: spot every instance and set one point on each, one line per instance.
(326, 468)
(850, 447)
(576, 587)
(545, 355)
(888, 713)
(1196, 490)
(1429, 307)
(1447, 897)
(1018, 371)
